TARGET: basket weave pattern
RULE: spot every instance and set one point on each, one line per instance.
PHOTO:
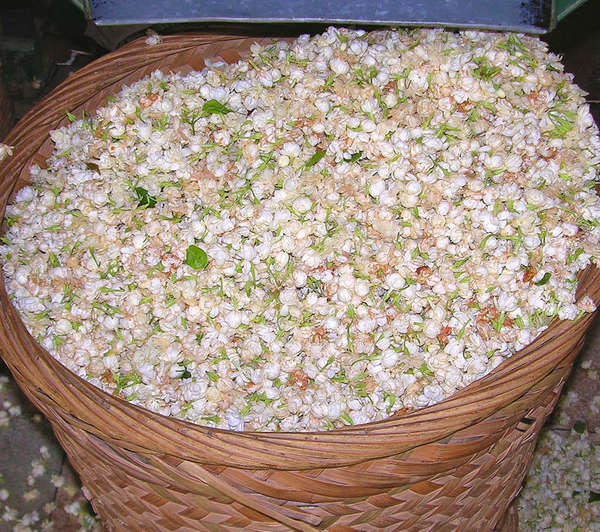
(452, 466)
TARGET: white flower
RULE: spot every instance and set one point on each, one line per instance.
(366, 325)
(395, 281)
(389, 358)
(5, 151)
(153, 39)
(339, 66)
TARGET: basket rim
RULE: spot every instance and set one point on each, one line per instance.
(482, 398)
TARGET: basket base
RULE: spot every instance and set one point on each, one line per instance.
(131, 492)
(133, 489)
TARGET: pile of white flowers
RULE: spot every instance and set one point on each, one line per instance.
(562, 489)
(319, 235)
(29, 508)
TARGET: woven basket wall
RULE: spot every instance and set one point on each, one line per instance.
(453, 466)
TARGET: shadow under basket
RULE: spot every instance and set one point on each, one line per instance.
(456, 465)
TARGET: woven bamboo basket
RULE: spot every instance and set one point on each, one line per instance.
(456, 465)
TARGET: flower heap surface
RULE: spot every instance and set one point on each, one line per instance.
(321, 234)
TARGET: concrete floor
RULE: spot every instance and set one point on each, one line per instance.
(36, 481)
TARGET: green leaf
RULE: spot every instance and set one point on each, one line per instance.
(319, 154)
(484, 70)
(214, 107)
(427, 122)
(424, 369)
(462, 331)
(124, 381)
(588, 224)
(212, 376)
(457, 264)
(145, 200)
(544, 280)
(58, 341)
(497, 324)
(574, 256)
(579, 427)
(196, 258)
(41, 315)
(563, 120)
(350, 312)
(185, 374)
(330, 361)
(347, 419)
(355, 157)
(315, 285)
(594, 497)
(473, 115)
(53, 260)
